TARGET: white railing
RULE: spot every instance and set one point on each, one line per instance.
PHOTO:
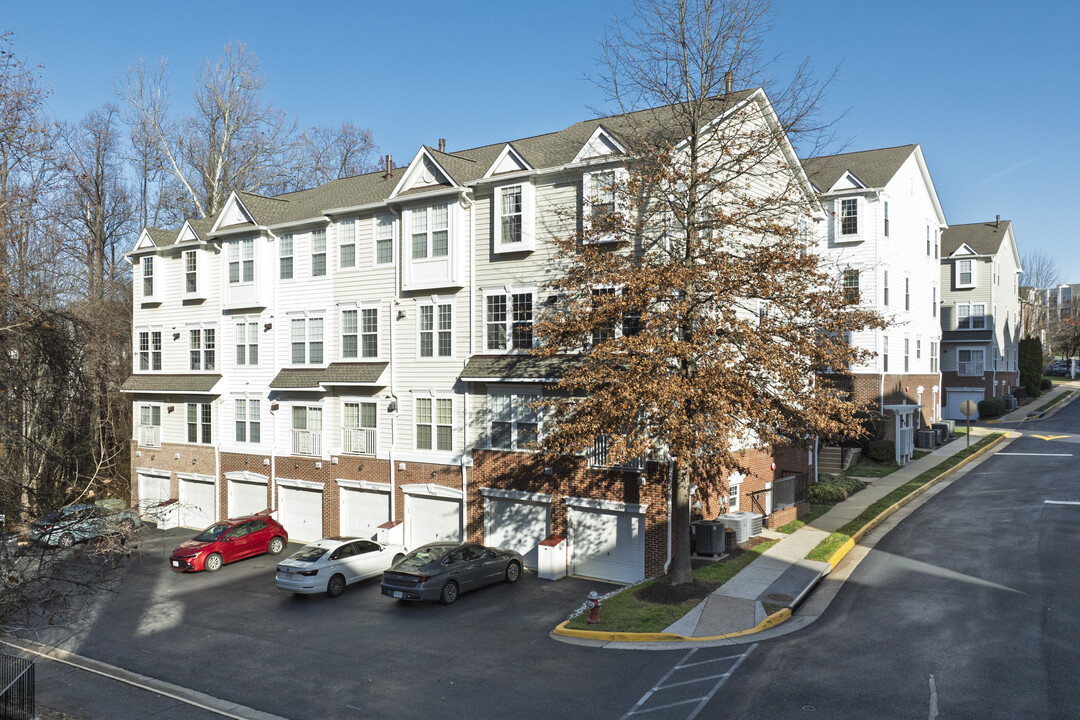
(599, 456)
(150, 436)
(971, 368)
(358, 441)
(306, 442)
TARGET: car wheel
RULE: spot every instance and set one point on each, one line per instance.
(276, 545)
(66, 540)
(213, 563)
(397, 558)
(336, 586)
(127, 525)
(449, 593)
(513, 571)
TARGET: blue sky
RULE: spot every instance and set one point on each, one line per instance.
(987, 87)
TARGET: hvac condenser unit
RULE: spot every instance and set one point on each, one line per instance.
(745, 524)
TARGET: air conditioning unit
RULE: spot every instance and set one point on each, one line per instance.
(944, 430)
(951, 424)
(745, 524)
(926, 439)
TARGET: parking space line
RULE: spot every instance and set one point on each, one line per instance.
(707, 698)
(706, 662)
(665, 707)
(696, 680)
(683, 665)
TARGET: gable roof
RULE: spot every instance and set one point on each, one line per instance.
(874, 168)
(983, 238)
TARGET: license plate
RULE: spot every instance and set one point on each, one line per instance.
(398, 594)
(176, 563)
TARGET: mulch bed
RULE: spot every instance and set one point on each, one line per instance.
(664, 593)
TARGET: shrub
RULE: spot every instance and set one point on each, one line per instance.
(1030, 364)
(831, 489)
(1046, 384)
(872, 427)
(991, 407)
(881, 451)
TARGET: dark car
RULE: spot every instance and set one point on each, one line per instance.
(227, 541)
(1061, 367)
(442, 571)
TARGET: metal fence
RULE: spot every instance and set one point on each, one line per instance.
(17, 681)
(790, 489)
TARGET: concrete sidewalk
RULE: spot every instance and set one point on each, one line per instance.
(783, 576)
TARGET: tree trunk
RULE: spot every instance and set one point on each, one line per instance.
(679, 571)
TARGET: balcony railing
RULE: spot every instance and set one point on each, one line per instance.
(971, 368)
(358, 441)
(306, 442)
(150, 436)
(599, 456)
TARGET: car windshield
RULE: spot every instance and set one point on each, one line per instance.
(311, 553)
(420, 558)
(212, 533)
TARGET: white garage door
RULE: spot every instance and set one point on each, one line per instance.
(607, 544)
(246, 498)
(153, 489)
(363, 511)
(300, 511)
(196, 503)
(516, 525)
(432, 519)
(958, 397)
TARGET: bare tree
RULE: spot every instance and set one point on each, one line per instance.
(235, 138)
(325, 154)
(1041, 270)
(691, 296)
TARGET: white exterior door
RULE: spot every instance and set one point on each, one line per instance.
(246, 498)
(432, 519)
(363, 511)
(196, 503)
(956, 398)
(516, 525)
(607, 544)
(153, 489)
(300, 511)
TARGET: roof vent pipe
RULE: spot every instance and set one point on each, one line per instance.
(997, 221)
(729, 80)
(442, 145)
(389, 167)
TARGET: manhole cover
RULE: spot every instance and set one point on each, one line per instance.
(779, 598)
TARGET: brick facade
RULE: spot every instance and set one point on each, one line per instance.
(993, 384)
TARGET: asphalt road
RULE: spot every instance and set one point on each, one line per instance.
(968, 608)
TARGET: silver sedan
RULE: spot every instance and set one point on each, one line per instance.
(442, 571)
(331, 564)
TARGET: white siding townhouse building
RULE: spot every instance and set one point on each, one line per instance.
(353, 357)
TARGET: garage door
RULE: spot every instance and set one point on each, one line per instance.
(958, 397)
(516, 525)
(363, 511)
(153, 489)
(300, 511)
(196, 503)
(432, 519)
(607, 544)
(246, 498)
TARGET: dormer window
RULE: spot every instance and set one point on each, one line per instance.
(432, 253)
(513, 217)
(965, 273)
(600, 203)
(191, 272)
(148, 277)
(241, 255)
(849, 216)
(430, 232)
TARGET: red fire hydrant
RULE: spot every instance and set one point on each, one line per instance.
(593, 604)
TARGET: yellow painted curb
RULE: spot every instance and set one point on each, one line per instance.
(772, 621)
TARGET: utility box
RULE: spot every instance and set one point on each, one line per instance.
(392, 532)
(551, 558)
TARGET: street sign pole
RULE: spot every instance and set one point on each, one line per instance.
(968, 408)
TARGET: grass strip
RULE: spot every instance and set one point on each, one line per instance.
(831, 544)
(816, 511)
(625, 612)
(1055, 401)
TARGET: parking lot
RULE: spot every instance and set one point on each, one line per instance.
(233, 635)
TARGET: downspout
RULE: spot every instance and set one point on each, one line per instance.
(465, 198)
(394, 402)
(273, 462)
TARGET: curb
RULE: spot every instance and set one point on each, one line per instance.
(880, 518)
(785, 614)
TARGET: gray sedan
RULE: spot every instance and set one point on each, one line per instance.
(442, 571)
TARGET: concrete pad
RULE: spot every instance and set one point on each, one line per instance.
(794, 583)
(687, 624)
(724, 615)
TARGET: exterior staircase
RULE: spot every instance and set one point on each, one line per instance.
(831, 460)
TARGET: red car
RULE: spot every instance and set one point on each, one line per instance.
(229, 540)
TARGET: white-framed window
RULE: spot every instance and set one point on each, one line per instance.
(508, 319)
(307, 430)
(149, 354)
(435, 329)
(285, 257)
(971, 316)
(885, 353)
(247, 343)
(849, 216)
(850, 283)
(384, 239)
(512, 210)
(918, 349)
(241, 258)
(248, 420)
(306, 340)
(147, 264)
(970, 361)
(347, 243)
(933, 300)
(927, 241)
(191, 272)
(907, 355)
(886, 218)
(149, 425)
(202, 349)
(996, 272)
(359, 434)
(937, 243)
(907, 293)
(965, 273)
(318, 253)
(359, 333)
(734, 486)
(200, 423)
(434, 423)
(885, 285)
(430, 229)
(933, 356)
(513, 424)
(600, 202)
